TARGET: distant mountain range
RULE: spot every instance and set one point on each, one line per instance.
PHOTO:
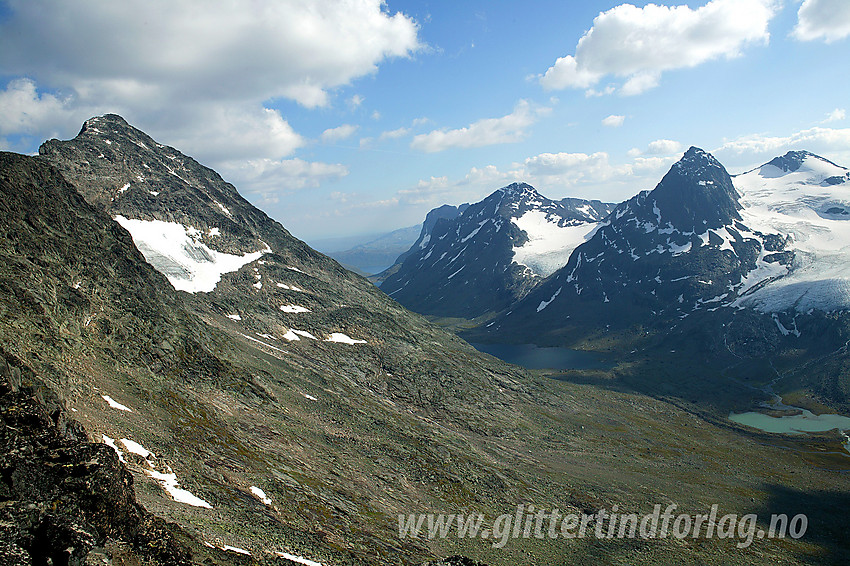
(377, 253)
(774, 239)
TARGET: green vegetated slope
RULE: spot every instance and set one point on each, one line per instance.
(341, 437)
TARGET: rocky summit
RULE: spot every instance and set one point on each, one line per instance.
(492, 253)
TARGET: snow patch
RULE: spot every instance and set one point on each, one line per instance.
(111, 443)
(343, 338)
(293, 308)
(174, 250)
(169, 484)
(115, 404)
(544, 304)
(136, 448)
(298, 559)
(260, 494)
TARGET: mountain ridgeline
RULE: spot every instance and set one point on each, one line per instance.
(491, 253)
(752, 267)
(215, 352)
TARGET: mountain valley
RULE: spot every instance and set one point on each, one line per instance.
(273, 407)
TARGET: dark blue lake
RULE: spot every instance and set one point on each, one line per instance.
(534, 357)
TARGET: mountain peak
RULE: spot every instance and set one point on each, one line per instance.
(518, 192)
(791, 161)
(697, 161)
(697, 193)
(520, 188)
(97, 124)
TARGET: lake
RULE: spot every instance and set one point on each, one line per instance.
(534, 357)
(792, 424)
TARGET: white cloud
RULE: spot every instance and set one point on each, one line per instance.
(189, 75)
(332, 135)
(270, 178)
(828, 20)
(613, 121)
(240, 49)
(25, 110)
(228, 132)
(490, 131)
(755, 148)
(355, 101)
(394, 134)
(652, 163)
(638, 44)
(557, 163)
(835, 116)
(663, 147)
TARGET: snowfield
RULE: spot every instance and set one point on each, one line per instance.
(812, 206)
(549, 246)
(177, 252)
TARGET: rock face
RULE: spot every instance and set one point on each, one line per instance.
(66, 500)
(492, 253)
(446, 211)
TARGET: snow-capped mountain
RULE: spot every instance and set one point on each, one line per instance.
(775, 239)
(447, 211)
(214, 351)
(806, 198)
(492, 253)
(680, 248)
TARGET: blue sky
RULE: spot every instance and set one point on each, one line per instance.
(352, 117)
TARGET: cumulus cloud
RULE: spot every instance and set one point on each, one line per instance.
(394, 134)
(270, 178)
(290, 48)
(663, 147)
(638, 44)
(191, 76)
(491, 131)
(332, 135)
(835, 116)
(829, 141)
(26, 110)
(613, 121)
(828, 20)
(228, 132)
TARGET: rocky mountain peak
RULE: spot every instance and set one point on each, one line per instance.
(697, 193)
(791, 161)
(518, 190)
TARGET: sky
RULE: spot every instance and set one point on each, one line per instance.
(351, 117)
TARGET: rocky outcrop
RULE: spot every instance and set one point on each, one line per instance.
(65, 500)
